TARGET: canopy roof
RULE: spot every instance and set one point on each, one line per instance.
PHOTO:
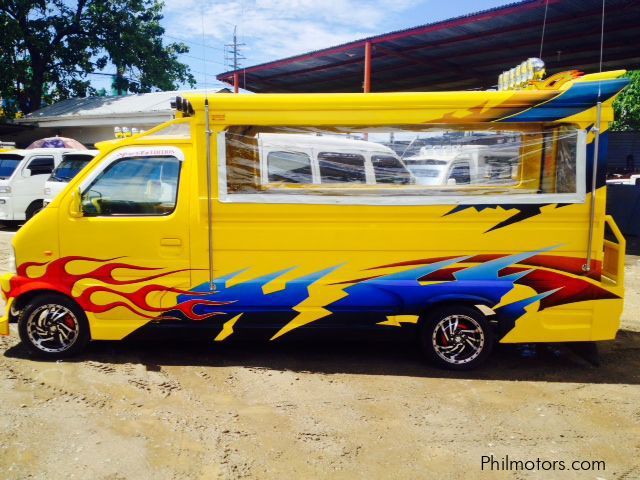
(466, 52)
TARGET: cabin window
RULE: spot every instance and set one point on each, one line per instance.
(566, 171)
(389, 169)
(134, 186)
(341, 167)
(289, 167)
(412, 165)
(69, 167)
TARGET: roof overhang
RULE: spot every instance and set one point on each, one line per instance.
(129, 119)
(463, 53)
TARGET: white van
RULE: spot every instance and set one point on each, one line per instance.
(72, 163)
(22, 177)
(624, 179)
(431, 164)
(464, 164)
(315, 159)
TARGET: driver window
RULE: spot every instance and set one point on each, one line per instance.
(134, 186)
(41, 166)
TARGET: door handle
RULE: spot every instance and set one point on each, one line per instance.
(170, 242)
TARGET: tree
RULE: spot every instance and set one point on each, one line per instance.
(49, 47)
(627, 105)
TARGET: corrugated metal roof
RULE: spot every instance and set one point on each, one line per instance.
(144, 103)
(464, 52)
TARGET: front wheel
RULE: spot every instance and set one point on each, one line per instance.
(456, 337)
(32, 209)
(52, 326)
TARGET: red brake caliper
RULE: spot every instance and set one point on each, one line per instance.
(68, 321)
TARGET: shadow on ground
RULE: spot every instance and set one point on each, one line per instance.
(620, 359)
(10, 227)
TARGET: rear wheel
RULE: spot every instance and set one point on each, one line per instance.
(456, 337)
(52, 326)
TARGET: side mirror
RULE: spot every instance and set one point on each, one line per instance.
(26, 172)
(451, 181)
(75, 205)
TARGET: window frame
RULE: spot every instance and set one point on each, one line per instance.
(579, 196)
(37, 157)
(264, 168)
(135, 152)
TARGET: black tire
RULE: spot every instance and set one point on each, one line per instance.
(52, 326)
(464, 345)
(34, 208)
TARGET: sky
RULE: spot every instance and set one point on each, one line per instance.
(275, 29)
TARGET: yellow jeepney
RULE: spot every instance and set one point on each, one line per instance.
(194, 224)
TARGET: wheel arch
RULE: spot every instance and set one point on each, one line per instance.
(36, 205)
(38, 323)
(481, 304)
(22, 300)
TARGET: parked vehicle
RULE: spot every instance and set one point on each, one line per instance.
(23, 174)
(72, 162)
(431, 164)
(6, 146)
(235, 235)
(625, 179)
(313, 159)
(464, 164)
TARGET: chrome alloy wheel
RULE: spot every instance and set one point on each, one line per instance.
(458, 339)
(53, 328)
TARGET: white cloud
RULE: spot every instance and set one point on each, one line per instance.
(280, 28)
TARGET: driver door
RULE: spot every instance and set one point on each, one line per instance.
(28, 185)
(133, 234)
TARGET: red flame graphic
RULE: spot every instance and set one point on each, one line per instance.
(57, 278)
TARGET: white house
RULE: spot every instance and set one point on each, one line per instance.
(92, 119)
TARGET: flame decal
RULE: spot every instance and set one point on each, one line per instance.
(57, 277)
(487, 278)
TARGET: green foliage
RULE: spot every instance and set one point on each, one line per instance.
(627, 105)
(49, 47)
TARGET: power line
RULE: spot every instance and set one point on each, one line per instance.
(201, 59)
(191, 42)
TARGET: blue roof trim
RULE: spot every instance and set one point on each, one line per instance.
(576, 99)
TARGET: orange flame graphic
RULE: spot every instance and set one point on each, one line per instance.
(56, 277)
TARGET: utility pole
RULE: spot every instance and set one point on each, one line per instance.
(233, 56)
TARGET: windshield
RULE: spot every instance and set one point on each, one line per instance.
(8, 163)
(69, 167)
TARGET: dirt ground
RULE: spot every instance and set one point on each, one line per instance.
(199, 411)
